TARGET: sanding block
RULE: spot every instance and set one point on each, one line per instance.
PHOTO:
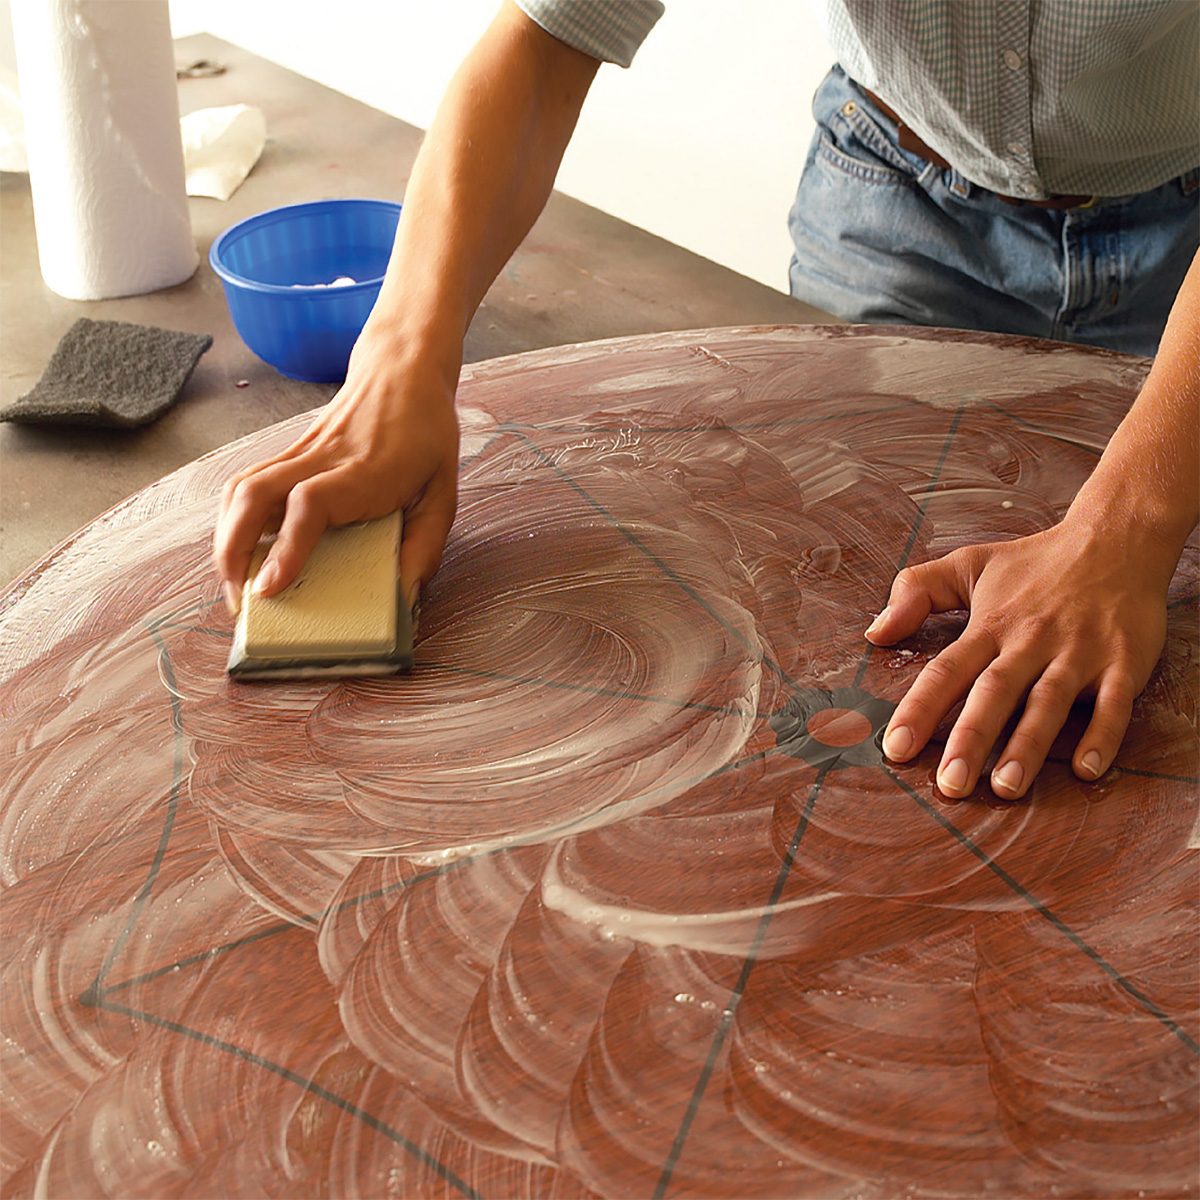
(343, 615)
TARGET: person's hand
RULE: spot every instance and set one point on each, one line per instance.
(1054, 617)
(387, 440)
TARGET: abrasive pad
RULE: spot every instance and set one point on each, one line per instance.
(110, 373)
(344, 614)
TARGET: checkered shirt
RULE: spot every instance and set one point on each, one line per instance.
(1027, 98)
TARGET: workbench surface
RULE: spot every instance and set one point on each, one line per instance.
(580, 275)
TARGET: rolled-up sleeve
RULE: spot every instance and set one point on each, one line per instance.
(610, 30)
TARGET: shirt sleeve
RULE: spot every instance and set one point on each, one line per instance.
(610, 30)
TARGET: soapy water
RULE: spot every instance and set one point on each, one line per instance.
(615, 892)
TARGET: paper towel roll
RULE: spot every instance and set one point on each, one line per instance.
(102, 132)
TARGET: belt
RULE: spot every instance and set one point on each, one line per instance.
(908, 140)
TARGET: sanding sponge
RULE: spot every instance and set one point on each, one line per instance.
(110, 373)
(344, 614)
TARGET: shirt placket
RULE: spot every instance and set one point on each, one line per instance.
(1015, 86)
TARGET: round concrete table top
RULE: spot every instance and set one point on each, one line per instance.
(615, 893)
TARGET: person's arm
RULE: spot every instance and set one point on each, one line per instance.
(1077, 610)
(389, 438)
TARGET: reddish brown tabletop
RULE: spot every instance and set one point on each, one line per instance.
(615, 893)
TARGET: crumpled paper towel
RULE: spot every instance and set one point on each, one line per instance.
(220, 146)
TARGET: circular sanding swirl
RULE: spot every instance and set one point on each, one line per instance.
(615, 894)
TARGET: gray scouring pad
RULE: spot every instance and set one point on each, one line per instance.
(110, 373)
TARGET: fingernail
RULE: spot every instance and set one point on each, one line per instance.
(1091, 763)
(1008, 777)
(953, 776)
(265, 578)
(879, 620)
(898, 742)
(233, 598)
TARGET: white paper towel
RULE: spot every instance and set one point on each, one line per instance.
(102, 135)
(12, 129)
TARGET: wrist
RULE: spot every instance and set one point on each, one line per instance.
(1146, 487)
(1122, 517)
(408, 349)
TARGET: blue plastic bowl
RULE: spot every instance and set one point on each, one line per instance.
(306, 332)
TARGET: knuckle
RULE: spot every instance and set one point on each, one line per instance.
(987, 627)
(1006, 629)
(230, 487)
(963, 556)
(1002, 679)
(940, 673)
(1054, 691)
(1031, 744)
(1041, 629)
(250, 492)
(306, 498)
(1119, 691)
(1124, 676)
(302, 494)
(967, 731)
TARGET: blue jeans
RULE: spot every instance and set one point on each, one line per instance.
(883, 236)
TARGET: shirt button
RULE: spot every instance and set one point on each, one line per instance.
(1012, 60)
(1015, 148)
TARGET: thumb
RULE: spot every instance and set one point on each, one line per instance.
(426, 527)
(933, 587)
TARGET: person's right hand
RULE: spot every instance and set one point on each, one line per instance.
(387, 440)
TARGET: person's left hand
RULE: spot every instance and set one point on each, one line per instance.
(1063, 614)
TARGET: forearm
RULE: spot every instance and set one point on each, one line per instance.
(1145, 492)
(482, 177)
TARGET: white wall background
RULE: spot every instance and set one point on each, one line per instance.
(701, 141)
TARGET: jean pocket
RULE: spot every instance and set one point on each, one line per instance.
(853, 143)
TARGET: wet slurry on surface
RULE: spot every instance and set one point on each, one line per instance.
(615, 894)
